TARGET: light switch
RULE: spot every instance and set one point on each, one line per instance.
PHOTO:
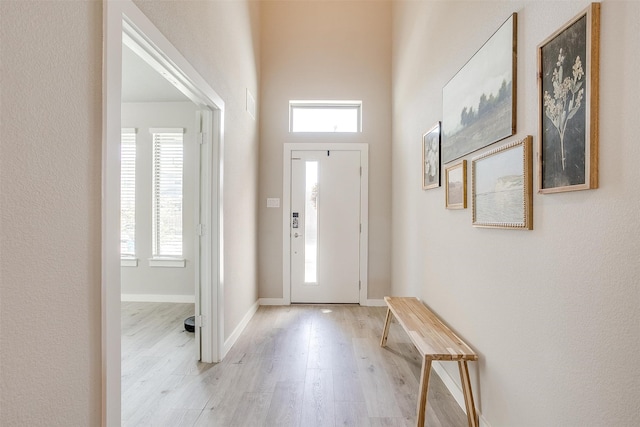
(273, 203)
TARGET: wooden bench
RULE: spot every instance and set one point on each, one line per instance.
(435, 341)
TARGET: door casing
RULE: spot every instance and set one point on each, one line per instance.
(124, 22)
(286, 211)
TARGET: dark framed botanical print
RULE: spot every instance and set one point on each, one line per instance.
(568, 64)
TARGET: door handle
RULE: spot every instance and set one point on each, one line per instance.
(296, 235)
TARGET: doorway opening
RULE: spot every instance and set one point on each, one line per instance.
(126, 25)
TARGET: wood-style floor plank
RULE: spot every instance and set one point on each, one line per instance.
(293, 366)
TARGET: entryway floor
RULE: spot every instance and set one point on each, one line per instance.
(299, 365)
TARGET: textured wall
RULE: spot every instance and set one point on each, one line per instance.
(50, 92)
(552, 312)
(325, 50)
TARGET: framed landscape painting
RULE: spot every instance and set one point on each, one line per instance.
(456, 186)
(501, 187)
(479, 102)
(431, 158)
(568, 64)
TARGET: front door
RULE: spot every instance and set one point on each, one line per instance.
(325, 226)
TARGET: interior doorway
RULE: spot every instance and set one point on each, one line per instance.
(125, 23)
(160, 197)
(325, 223)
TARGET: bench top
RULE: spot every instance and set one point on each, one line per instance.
(427, 332)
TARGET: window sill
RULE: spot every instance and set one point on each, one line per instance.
(128, 262)
(167, 262)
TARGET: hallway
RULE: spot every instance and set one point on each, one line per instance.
(299, 365)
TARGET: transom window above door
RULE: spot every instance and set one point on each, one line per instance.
(325, 116)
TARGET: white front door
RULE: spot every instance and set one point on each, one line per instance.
(325, 226)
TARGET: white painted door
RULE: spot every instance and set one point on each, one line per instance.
(325, 226)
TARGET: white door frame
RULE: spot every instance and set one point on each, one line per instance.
(286, 211)
(124, 22)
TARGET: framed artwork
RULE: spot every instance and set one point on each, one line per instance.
(456, 186)
(501, 187)
(568, 63)
(431, 158)
(479, 102)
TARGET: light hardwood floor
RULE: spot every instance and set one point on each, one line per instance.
(300, 365)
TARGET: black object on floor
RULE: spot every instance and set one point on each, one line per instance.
(190, 324)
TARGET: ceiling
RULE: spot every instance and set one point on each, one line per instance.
(141, 83)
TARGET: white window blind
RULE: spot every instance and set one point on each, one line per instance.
(167, 192)
(128, 193)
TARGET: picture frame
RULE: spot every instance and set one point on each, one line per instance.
(568, 94)
(456, 186)
(431, 158)
(479, 102)
(501, 187)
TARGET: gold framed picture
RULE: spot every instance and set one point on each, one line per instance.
(501, 187)
(456, 186)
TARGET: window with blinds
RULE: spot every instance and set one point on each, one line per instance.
(128, 193)
(167, 192)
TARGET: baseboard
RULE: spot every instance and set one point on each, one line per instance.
(157, 298)
(281, 301)
(375, 303)
(238, 330)
(272, 301)
(456, 391)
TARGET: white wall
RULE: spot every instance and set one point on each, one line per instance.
(50, 181)
(553, 312)
(177, 284)
(325, 50)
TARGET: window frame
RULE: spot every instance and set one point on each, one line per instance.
(329, 105)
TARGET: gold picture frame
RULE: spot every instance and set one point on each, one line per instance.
(456, 186)
(568, 98)
(431, 158)
(501, 187)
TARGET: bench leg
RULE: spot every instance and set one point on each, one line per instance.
(472, 417)
(385, 331)
(424, 391)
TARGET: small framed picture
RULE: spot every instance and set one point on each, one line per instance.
(568, 64)
(431, 158)
(456, 186)
(501, 182)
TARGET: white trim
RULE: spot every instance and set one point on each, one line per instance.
(286, 211)
(273, 301)
(375, 303)
(456, 391)
(124, 23)
(158, 298)
(128, 262)
(250, 104)
(240, 328)
(166, 130)
(167, 262)
(129, 130)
